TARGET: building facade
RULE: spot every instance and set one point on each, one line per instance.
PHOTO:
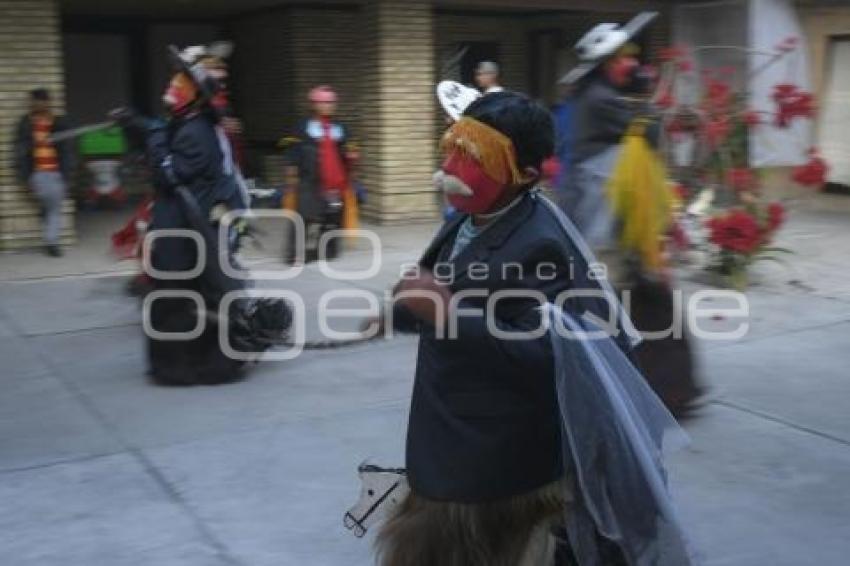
(383, 56)
(30, 56)
(826, 25)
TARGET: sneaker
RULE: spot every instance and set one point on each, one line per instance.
(53, 250)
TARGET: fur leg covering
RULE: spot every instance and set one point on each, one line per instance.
(511, 532)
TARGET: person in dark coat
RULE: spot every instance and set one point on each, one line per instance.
(213, 60)
(193, 185)
(485, 463)
(43, 165)
(318, 178)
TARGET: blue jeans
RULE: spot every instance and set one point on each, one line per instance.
(49, 187)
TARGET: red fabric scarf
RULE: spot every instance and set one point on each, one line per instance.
(331, 168)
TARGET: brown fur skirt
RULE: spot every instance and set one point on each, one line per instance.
(510, 532)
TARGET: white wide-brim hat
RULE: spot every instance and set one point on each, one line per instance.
(217, 50)
(602, 42)
(455, 98)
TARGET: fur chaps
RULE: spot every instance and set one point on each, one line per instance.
(510, 532)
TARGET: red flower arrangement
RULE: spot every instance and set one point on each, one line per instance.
(736, 231)
(679, 237)
(813, 173)
(666, 100)
(752, 118)
(718, 96)
(742, 179)
(792, 102)
(717, 130)
(743, 236)
(742, 229)
(775, 216)
(672, 54)
(675, 126)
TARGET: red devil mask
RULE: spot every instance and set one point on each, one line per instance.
(180, 94)
(467, 187)
(480, 165)
(621, 69)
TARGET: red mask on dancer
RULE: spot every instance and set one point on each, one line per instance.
(180, 94)
(474, 191)
(480, 165)
(621, 69)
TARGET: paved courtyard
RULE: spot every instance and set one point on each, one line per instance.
(98, 467)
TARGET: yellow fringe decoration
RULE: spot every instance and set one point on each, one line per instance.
(641, 198)
(349, 210)
(486, 145)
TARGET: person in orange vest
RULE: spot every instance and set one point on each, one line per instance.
(44, 165)
(318, 178)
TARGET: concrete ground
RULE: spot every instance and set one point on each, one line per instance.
(98, 467)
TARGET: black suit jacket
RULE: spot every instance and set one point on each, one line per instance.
(187, 152)
(305, 156)
(484, 421)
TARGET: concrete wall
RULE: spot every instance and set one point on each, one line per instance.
(30, 57)
(398, 143)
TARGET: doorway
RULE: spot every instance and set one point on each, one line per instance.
(551, 56)
(834, 131)
(475, 52)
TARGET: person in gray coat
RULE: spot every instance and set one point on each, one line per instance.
(608, 101)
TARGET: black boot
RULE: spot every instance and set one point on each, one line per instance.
(53, 250)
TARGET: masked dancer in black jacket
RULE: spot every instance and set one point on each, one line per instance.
(527, 418)
(193, 271)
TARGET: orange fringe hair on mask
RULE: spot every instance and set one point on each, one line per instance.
(492, 149)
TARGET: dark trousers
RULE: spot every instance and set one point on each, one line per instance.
(314, 228)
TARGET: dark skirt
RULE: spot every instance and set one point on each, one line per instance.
(253, 325)
(198, 361)
(668, 362)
